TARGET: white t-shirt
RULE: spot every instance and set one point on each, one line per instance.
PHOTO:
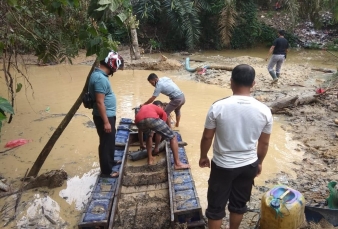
(239, 122)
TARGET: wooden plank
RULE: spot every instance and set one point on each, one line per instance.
(119, 186)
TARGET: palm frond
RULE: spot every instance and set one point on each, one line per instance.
(202, 5)
(146, 9)
(293, 7)
(227, 22)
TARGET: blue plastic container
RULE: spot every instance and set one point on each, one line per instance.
(121, 139)
(186, 204)
(116, 168)
(93, 215)
(182, 179)
(126, 121)
(102, 195)
(124, 133)
(103, 183)
(178, 136)
(117, 158)
(118, 153)
(185, 195)
(184, 186)
(123, 127)
(177, 173)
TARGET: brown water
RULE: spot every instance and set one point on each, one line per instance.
(55, 90)
(317, 58)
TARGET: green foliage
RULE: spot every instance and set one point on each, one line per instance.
(5, 107)
(178, 21)
(248, 28)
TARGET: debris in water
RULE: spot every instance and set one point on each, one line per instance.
(16, 143)
(4, 186)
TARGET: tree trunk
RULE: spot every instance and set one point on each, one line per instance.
(58, 131)
(134, 41)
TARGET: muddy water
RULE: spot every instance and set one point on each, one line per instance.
(318, 58)
(55, 90)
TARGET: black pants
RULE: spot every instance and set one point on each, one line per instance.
(107, 144)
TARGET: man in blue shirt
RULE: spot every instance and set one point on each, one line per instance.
(104, 111)
(167, 87)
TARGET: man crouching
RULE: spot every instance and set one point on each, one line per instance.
(152, 117)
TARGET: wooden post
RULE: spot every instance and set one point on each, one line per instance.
(59, 130)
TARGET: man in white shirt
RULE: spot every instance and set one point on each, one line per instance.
(237, 122)
(167, 87)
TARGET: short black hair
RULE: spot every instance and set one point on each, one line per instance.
(152, 76)
(158, 103)
(243, 75)
(281, 32)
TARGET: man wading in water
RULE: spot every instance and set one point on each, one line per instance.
(104, 111)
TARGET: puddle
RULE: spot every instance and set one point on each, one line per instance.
(56, 88)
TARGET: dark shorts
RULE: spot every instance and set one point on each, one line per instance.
(226, 184)
(157, 125)
(175, 105)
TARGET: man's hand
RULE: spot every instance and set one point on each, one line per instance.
(259, 170)
(107, 127)
(266, 59)
(204, 162)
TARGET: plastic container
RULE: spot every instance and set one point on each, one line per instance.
(102, 195)
(332, 200)
(184, 186)
(126, 121)
(186, 204)
(123, 127)
(177, 173)
(282, 208)
(182, 179)
(97, 211)
(184, 195)
(118, 153)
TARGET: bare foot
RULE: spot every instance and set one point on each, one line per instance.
(181, 166)
(151, 161)
(155, 152)
(177, 125)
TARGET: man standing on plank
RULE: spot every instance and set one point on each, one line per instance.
(104, 111)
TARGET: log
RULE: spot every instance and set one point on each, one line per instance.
(322, 70)
(218, 67)
(59, 130)
(51, 179)
(278, 106)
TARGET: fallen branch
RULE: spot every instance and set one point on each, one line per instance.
(322, 70)
(279, 105)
